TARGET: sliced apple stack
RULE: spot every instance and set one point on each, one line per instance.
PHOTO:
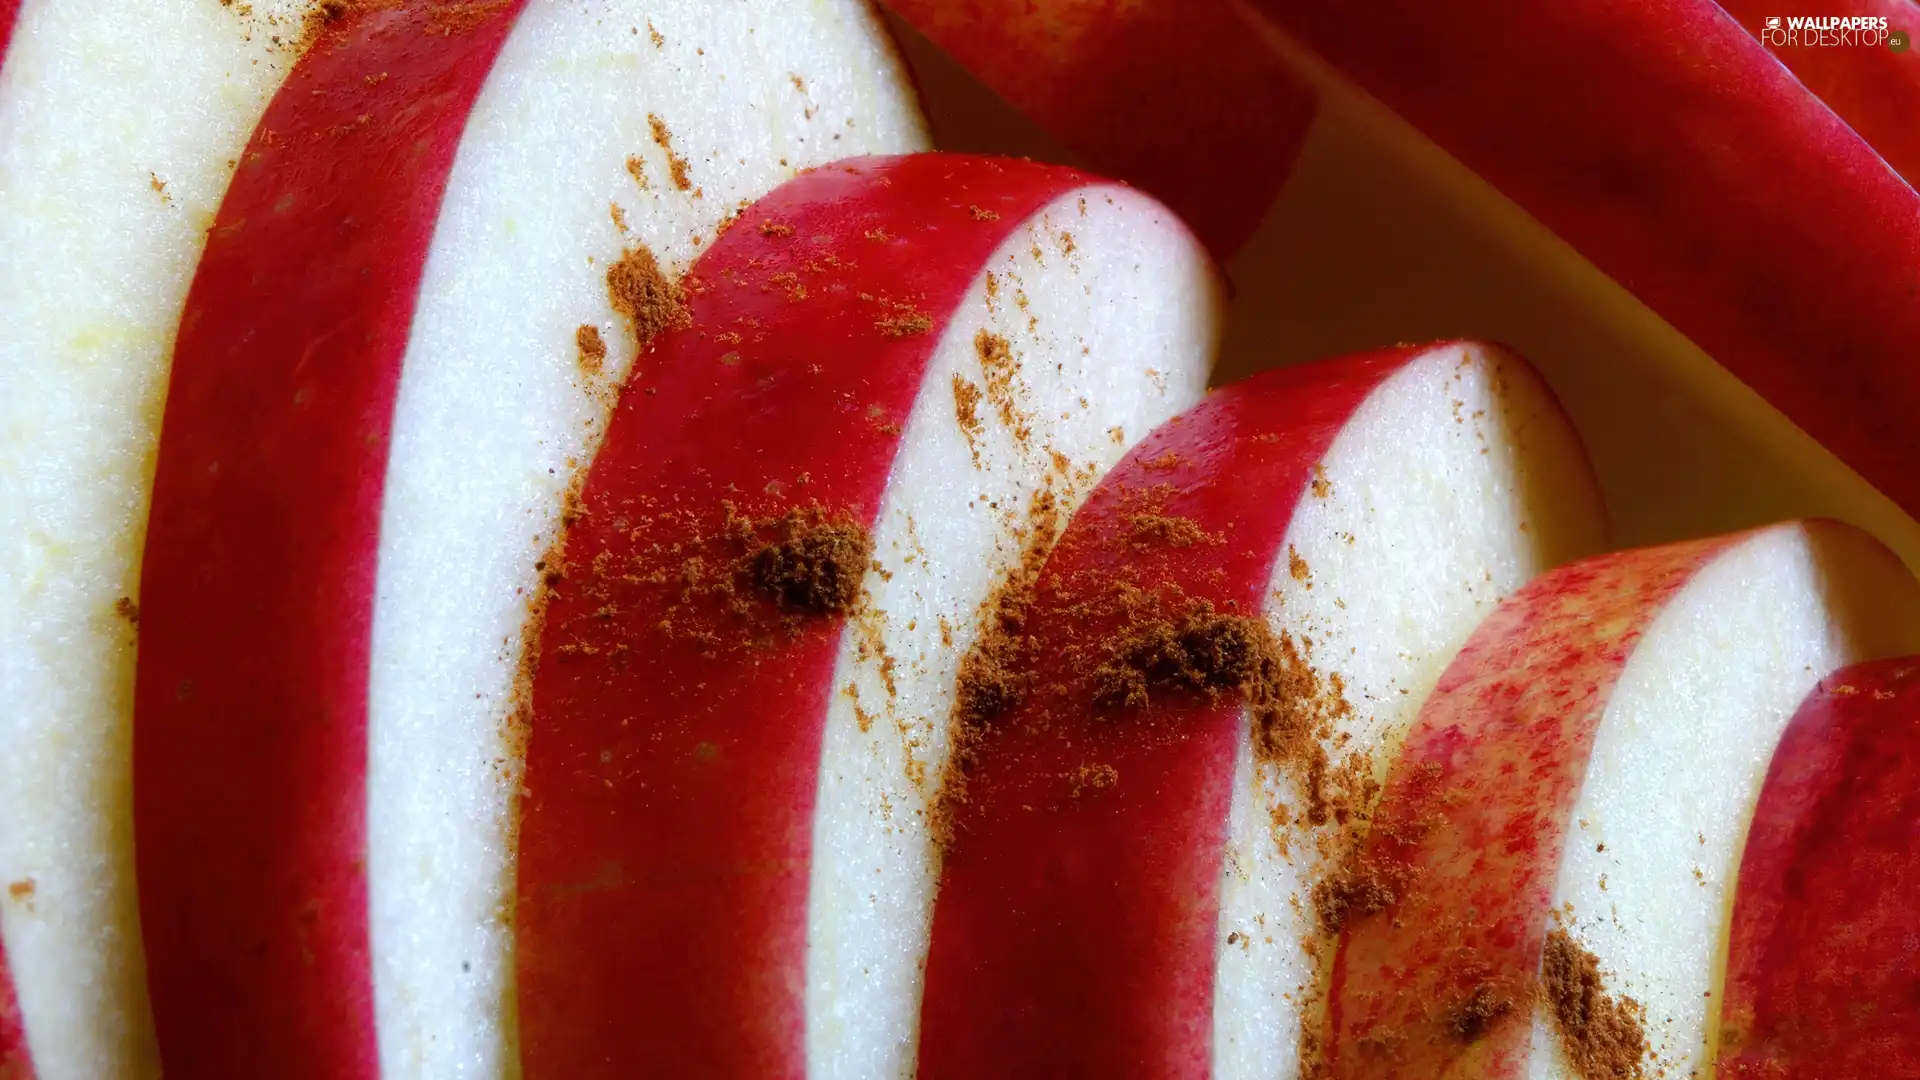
(450, 234)
(1826, 911)
(120, 125)
(1183, 719)
(1544, 892)
(900, 378)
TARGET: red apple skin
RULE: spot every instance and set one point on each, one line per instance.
(9, 14)
(1076, 936)
(1667, 146)
(1474, 816)
(15, 1062)
(1173, 96)
(1875, 90)
(258, 581)
(1825, 943)
(667, 824)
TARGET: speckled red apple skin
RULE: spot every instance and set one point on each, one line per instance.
(1823, 960)
(1075, 936)
(250, 724)
(667, 826)
(1668, 147)
(1174, 96)
(1476, 808)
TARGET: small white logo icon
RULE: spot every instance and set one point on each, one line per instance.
(1773, 22)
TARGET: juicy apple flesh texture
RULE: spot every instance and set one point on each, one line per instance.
(405, 334)
(726, 866)
(113, 160)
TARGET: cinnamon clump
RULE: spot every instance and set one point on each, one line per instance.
(902, 324)
(127, 610)
(593, 350)
(1202, 650)
(1293, 708)
(966, 410)
(739, 583)
(643, 295)
(320, 16)
(816, 569)
(991, 677)
(1001, 370)
(995, 674)
(1474, 1015)
(1601, 1034)
(1359, 887)
(1165, 530)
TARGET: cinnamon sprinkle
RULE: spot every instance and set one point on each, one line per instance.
(592, 349)
(645, 297)
(676, 165)
(966, 402)
(1165, 530)
(816, 569)
(904, 324)
(1602, 1034)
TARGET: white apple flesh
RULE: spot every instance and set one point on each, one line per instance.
(1566, 819)
(726, 863)
(120, 123)
(398, 345)
(1129, 891)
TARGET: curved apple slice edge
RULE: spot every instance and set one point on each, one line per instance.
(1821, 952)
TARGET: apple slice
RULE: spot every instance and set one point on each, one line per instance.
(1566, 817)
(1129, 882)
(1826, 910)
(900, 378)
(454, 228)
(1874, 88)
(120, 121)
(1173, 95)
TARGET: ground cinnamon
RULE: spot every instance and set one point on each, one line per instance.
(676, 165)
(593, 350)
(644, 296)
(1602, 1034)
(816, 569)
